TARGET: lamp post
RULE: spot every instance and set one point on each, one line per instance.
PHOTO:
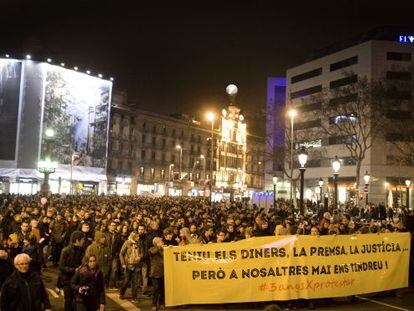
(407, 200)
(72, 159)
(386, 185)
(336, 166)
(210, 117)
(292, 115)
(178, 147)
(367, 178)
(47, 166)
(170, 171)
(303, 158)
(320, 183)
(274, 190)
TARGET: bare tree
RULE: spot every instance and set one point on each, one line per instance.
(356, 116)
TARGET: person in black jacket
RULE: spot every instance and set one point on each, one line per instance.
(24, 289)
(89, 286)
(70, 260)
(6, 266)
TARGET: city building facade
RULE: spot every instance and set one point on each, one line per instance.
(155, 154)
(376, 56)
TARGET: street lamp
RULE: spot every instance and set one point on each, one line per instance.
(46, 167)
(367, 178)
(407, 200)
(274, 190)
(292, 114)
(320, 183)
(178, 147)
(169, 171)
(303, 158)
(386, 185)
(336, 166)
(72, 159)
(202, 157)
(211, 116)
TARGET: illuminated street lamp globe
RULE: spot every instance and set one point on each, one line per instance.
(408, 183)
(303, 157)
(367, 177)
(336, 165)
(231, 89)
(320, 182)
(274, 178)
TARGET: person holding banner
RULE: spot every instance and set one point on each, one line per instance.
(157, 272)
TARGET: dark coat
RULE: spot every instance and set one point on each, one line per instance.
(70, 259)
(156, 262)
(95, 283)
(24, 292)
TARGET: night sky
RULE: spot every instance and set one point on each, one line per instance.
(178, 56)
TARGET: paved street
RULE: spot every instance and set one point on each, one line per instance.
(379, 302)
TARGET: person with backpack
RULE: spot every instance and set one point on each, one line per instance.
(131, 258)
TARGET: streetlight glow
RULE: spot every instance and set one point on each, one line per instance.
(292, 113)
(28, 56)
(408, 183)
(303, 157)
(367, 177)
(320, 182)
(336, 165)
(178, 146)
(274, 178)
(210, 116)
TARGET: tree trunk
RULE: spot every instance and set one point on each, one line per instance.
(358, 174)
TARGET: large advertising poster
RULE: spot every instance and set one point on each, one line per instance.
(10, 76)
(76, 107)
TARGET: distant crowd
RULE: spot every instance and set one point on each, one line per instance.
(103, 242)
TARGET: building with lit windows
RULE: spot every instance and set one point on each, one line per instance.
(379, 54)
(146, 148)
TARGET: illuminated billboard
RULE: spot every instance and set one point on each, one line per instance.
(10, 77)
(76, 106)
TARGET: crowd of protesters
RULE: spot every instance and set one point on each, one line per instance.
(103, 242)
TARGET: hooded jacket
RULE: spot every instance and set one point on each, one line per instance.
(101, 252)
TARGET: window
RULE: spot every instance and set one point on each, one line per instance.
(153, 155)
(173, 132)
(343, 81)
(164, 142)
(307, 124)
(309, 107)
(163, 157)
(306, 75)
(154, 128)
(164, 130)
(143, 139)
(398, 75)
(144, 125)
(142, 155)
(343, 99)
(173, 158)
(182, 133)
(349, 161)
(344, 63)
(154, 140)
(337, 140)
(305, 92)
(406, 57)
(342, 118)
